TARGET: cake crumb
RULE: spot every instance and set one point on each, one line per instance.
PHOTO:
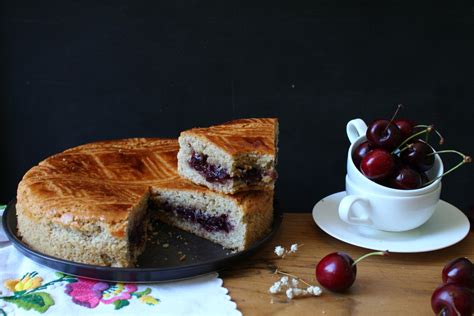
(166, 245)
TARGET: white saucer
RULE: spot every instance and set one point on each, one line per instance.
(447, 226)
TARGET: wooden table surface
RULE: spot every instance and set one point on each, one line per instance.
(400, 284)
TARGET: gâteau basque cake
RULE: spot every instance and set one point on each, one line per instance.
(236, 156)
(89, 204)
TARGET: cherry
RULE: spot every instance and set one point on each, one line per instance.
(452, 299)
(384, 134)
(406, 127)
(459, 271)
(405, 178)
(377, 164)
(360, 152)
(337, 271)
(419, 155)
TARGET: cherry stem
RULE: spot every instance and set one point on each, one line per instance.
(405, 148)
(427, 130)
(443, 312)
(293, 276)
(377, 253)
(393, 117)
(441, 138)
(465, 159)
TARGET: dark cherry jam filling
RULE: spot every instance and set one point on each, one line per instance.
(218, 174)
(211, 172)
(210, 223)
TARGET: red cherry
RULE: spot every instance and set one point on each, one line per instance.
(405, 178)
(360, 152)
(384, 134)
(459, 271)
(377, 164)
(337, 271)
(406, 127)
(452, 299)
(419, 155)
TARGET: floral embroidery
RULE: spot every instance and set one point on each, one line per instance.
(119, 291)
(148, 299)
(86, 292)
(26, 293)
(27, 282)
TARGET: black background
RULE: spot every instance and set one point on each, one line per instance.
(73, 72)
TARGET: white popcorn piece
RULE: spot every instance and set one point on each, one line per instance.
(280, 251)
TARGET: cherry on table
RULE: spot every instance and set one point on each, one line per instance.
(418, 155)
(337, 271)
(459, 271)
(452, 299)
(384, 134)
(377, 164)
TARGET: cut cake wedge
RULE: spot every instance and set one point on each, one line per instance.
(236, 156)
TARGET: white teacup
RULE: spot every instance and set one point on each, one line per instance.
(371, 204)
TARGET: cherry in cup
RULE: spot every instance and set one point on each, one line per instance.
(406, 127)
(360, 152)
(377, 164)
(419, 155)
(384, 134)
(405, 178)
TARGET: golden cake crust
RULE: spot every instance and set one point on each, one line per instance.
(243, 136)
(105, 180)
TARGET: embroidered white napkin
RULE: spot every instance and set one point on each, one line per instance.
(29, 288)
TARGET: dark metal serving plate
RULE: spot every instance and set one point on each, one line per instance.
(170, 254)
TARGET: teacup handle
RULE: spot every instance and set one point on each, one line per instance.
(346, 214)
(355, 128)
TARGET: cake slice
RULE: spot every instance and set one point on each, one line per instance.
(89, 204)
(236, 156)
